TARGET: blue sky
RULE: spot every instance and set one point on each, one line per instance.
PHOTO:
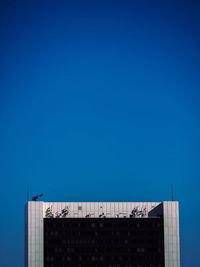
(99, 100)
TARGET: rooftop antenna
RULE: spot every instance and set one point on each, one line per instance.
(172, 192)
(27, 192)
(35, 198)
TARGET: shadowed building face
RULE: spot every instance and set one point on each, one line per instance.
(103, 242)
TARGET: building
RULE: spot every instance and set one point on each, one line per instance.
(102, 234)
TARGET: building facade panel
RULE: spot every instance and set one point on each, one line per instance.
(171, 234)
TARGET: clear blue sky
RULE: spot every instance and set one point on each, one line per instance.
(99, 100)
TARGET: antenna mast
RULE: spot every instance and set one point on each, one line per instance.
(172, 192)
(27, 192)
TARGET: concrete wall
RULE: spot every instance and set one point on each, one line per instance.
(34, 234)
(171, 233)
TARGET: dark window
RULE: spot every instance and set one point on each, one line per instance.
(103, 242)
